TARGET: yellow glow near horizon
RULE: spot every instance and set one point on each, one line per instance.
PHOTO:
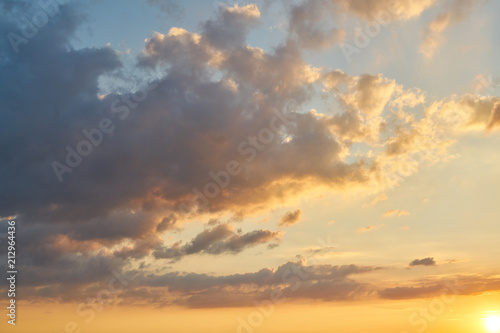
(492, 323)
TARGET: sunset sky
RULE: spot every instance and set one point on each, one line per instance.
(272, 166)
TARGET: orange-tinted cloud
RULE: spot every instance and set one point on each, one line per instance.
(368, 228)
(454, 12)
(395, 212)
(378, 198)
(290, 218)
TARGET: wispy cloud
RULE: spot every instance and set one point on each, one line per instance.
(368, 228)
(378, 198)
(395, 212)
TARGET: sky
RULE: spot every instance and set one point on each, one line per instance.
(235, 166)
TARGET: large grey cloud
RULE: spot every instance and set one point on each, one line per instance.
(217, 102)
(167, 142)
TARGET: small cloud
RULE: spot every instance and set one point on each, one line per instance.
(321, 250)
(456, 12)
(169, 8)
(290, 218)
(405, 227)
(453, 261)
(423, 262)
(433, 35)
(213, 222)
(368, 228)
(395, 212)
(168, 223)
(331, 222)
(378, 198)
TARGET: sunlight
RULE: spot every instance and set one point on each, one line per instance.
(492, 323)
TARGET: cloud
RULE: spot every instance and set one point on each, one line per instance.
(423, 262)
(140, 248)
(378, 198)
(432, 35)
(370, 94)
(307, 25)
(368, 228)
(494, 118)
(430, 287)
(203, 125)
(292, 280)
(221, 239)
(231, 26)
(290, 218)
(467, 112)
(171, 8)
(214, 102)
(411, 292)
(168, 223)
(399, 10)
(453, 12)
(395, 212)
(312, 22)
(363, 100)
(202, 128)
(169, 136)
